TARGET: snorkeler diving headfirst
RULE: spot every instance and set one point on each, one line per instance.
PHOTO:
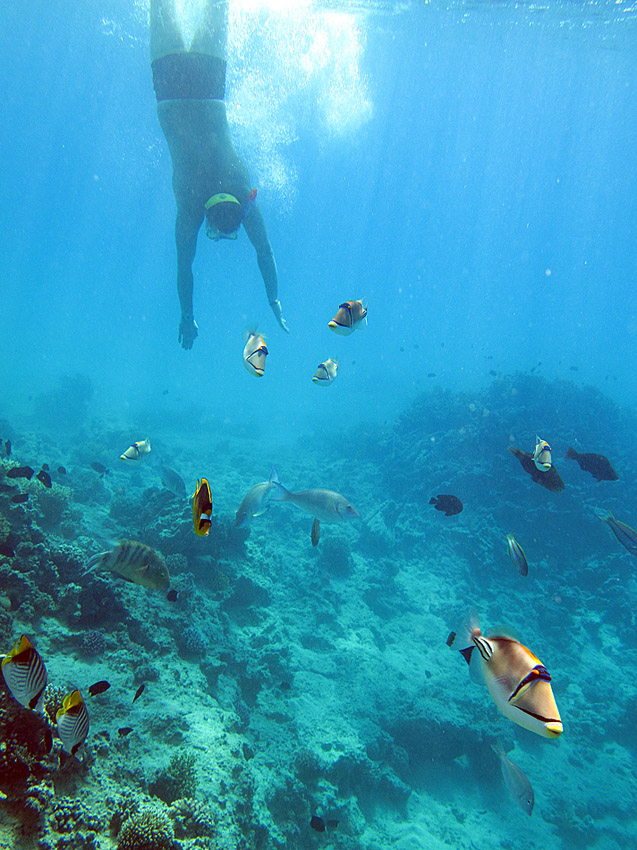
(210, 181)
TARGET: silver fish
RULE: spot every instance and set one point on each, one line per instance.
(135, 562)
(24, 672)
(256, 501)
(516, 553)
(174, 482)
(325, 505)
(626, 535)
(516, 780)
(72, 722)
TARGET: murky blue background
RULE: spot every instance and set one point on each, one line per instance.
(468, 168)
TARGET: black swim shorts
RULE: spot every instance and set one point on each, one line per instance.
(189, 76)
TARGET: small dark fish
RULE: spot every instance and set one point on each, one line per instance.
(61, 470)
(165, 392)
(99, 688)
(431, 374)
(6, 551)
(332, 823)
(401, 348)
(549, 479)
(139, 692)
(599, 466)
(285, 686)
(99, 467)
(316, 531)
(172, 595)
(20, 498)
(21, 472)
(47, 740)
(7, 448)
(124, 731)
(450, 638)
(574, 368)
(451, 505)
(44, 478)
(492, 372)
(45, 467)
(7, 488)
(317, 823)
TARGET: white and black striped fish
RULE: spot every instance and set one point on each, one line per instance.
(72, 722)
(135, 562)
(25, 673)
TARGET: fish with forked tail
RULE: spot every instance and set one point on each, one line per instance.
(516, 780)
(135, 562)
(626, 535)
(599, 466)
(325, 505)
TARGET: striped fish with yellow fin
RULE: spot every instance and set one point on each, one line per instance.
(72, 722)
(24, 673)
(519, 684)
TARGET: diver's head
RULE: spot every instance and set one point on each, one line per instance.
(224, 214)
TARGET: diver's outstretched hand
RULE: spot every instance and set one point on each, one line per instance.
(188, 332)
(276, 309)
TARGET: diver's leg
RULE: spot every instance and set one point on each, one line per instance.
(165, 33)
(212, 33)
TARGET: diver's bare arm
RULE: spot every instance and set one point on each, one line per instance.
(186, 230)
(255, 228)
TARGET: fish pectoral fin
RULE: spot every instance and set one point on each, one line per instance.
(262, 511)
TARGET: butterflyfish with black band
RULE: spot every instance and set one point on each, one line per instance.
(325, 373)
(350, 316)
(24, 673)
(519, 684)
(254, 353)
(72, 722)
(136, 451)
(202, 508)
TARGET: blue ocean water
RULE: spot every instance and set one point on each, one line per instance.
(467, 169)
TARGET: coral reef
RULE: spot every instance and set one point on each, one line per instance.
(192, 819)
(177, 780)
(148, 829)
(192, 642)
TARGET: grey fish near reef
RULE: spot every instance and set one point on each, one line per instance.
(451, 505)
(626, 535)
(325, 505)
(99, 468)
(20, 498)
(316, 532)
(139, 692)
(61, 470)
(72, 722)
(256, 501)
(549, 479)
(24, 672)
(99, 687)
(174, 482)
(7, 448)
(135, 562)
(516, 780)
(599, 466)
(516, 553)
(7, 488)
(21, 472)
(124, 731)
(6, 551)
